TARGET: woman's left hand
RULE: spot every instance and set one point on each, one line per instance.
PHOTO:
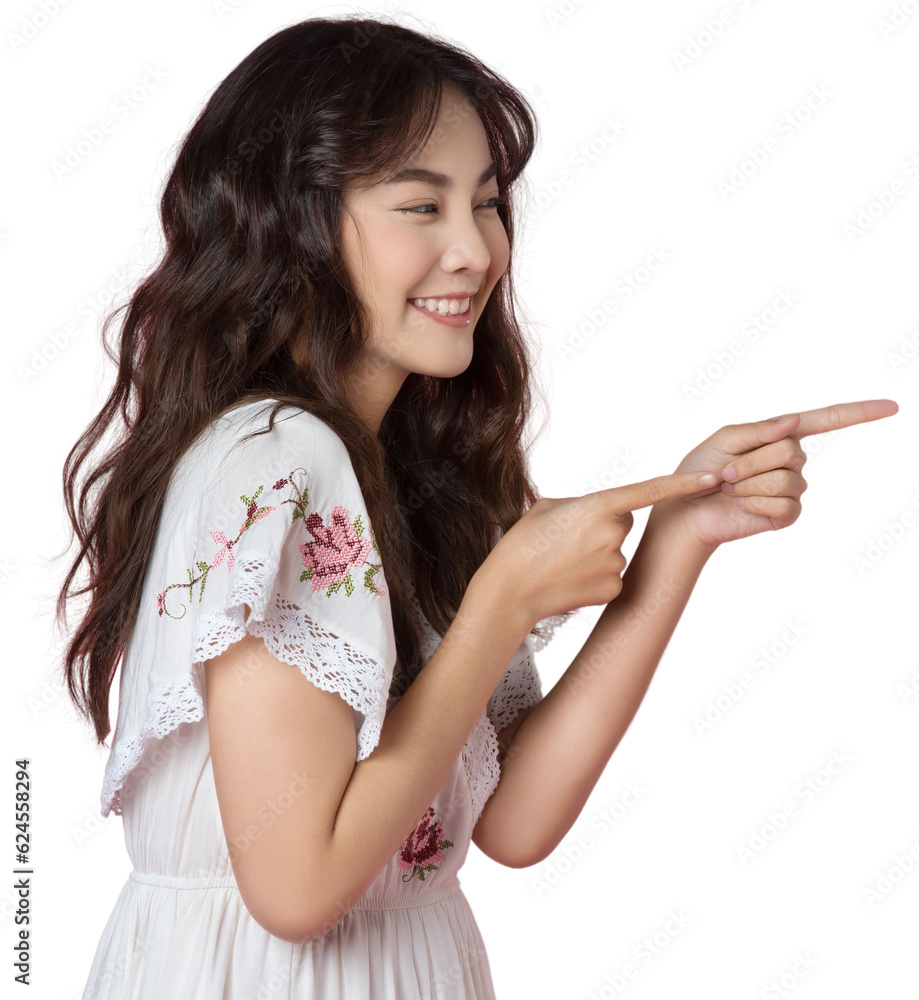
(761, 465)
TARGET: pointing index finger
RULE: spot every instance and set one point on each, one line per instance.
(633, 496)
(832, 418)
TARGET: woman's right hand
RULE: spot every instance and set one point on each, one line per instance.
(567, 553)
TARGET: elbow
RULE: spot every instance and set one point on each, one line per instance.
(522, 857)
(300, 929)
(509, 851)
(515, 858)
(300, 924)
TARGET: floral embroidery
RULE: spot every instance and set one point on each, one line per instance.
(424, 846)
(328, 559)
(336, 548)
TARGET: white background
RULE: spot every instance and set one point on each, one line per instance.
(74, 245)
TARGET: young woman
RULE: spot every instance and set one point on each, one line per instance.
(318, 557)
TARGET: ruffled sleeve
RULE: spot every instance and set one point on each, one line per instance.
(268, 536)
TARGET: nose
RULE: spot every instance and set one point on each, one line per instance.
(465, 247)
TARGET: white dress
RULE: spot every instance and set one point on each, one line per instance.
(279, 523)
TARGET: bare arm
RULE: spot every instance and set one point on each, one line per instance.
(559, 748)
(307, 827)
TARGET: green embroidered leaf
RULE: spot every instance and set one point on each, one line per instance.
(248, 501)
(205, 569)
(358, 526)
(297, 513)
(369, 573)
(307, 574)
(445, 843)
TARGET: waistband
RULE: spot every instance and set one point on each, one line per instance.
(424, 898)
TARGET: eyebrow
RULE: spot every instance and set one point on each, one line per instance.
(437, 179)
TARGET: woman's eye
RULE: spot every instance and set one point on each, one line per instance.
(420, 209)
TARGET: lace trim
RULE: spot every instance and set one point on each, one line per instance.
(166, 708)
(480, 761)
(290, 634)
(546, 630)
(519, 689)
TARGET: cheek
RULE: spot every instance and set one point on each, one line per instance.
(402, 260)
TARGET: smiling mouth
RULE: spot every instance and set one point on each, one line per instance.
(435, 312)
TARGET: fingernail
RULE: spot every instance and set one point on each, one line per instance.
(707, 479)
(787, 416)
(729, 472)
(728, 487)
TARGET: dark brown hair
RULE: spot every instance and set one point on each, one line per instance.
(251, 301)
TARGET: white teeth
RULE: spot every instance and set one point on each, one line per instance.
(443, 307)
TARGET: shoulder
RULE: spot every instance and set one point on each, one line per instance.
(296, 426)
(238, 452)
(244, 439)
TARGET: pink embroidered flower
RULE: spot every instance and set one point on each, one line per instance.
(424, 846)
(335, 550)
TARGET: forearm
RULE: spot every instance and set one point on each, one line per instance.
(566, 740)
(422, 736)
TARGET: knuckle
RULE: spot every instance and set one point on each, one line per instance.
(656, 491)
(613, 538)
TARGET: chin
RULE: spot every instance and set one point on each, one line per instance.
(445, 370)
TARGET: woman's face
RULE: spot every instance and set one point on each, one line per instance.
(418, 238)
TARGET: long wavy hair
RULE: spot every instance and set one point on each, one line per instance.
(251, 300)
